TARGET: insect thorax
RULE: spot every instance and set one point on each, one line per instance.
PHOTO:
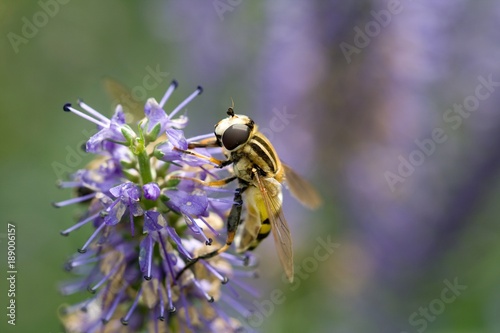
(250, 157)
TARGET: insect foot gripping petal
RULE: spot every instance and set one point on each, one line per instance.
(232, 225)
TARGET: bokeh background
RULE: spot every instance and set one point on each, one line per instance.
(347, 91)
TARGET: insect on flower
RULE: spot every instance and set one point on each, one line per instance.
(260, 173)
(148, 225)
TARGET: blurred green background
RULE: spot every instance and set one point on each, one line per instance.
(363, 86)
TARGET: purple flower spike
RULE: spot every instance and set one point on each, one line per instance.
(137, 262)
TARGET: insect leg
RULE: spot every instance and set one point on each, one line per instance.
(218, 163)
(206, 143)
(233, 221)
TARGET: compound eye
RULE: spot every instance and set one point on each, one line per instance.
(235, 135)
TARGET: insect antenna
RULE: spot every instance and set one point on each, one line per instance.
(230, 111)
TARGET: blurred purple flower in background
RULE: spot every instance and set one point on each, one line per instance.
(148, 226)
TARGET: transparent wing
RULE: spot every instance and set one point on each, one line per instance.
(301, 189)
(133, 108)
(279, 226)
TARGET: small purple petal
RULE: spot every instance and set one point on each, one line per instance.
(127, 192)
(168, 152)
(155, 114)
(176, 137)
(153, 221)
(111, 132)
(180, 122)
(114, 213)
(193, 204)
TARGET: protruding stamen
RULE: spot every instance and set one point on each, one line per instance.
(69, 265)
(209, 298)
(185, 102)
(73, 200)
(175, 237)
(186, 309)
(166, 255)
(169, 92)
(195, 228)
(212, 270)
(246, 287)
(200, 137)
(92, 111)
(162, 304)
(236, 306)
(229, 321)
(91, 238)
(104, 279)
(67, 107)
(245, 274)
(72, 287)
(79, 224)
(247, 260)
(209, 226)
(67, 184)
(85, 304)
(171, 307)
(233, 291)
(150, 259)
(112, 310)
(125, 319)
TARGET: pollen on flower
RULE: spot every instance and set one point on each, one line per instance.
(150, 220)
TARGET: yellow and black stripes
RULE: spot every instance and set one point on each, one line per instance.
(264, 151)
(265, 230)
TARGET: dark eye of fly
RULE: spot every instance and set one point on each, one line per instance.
(235, 135)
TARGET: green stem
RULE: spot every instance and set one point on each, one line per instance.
(144, 165)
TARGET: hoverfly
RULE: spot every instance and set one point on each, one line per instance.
(260, 173)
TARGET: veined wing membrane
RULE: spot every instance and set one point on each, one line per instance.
(301, 189)
(133, 108)
(279, 226)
